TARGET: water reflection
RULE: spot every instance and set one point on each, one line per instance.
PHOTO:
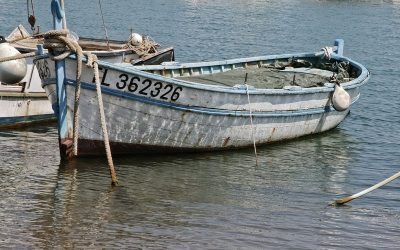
(163, 200)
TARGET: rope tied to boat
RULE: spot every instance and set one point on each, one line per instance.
(92, 62)
(327, 52)
(251, 119)
(17, 57)
(60, 46)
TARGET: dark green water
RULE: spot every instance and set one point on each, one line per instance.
(219, 200)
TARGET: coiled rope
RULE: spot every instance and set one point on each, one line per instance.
(327, 51)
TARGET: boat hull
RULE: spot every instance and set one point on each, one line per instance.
(190, 117)
(139, 127)
(24, 109)
(26, 103)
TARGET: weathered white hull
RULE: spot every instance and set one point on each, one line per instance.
(136, 127)
(27, 103)
(147, 112)
(18, 109)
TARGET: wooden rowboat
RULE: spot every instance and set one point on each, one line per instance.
(205, 106)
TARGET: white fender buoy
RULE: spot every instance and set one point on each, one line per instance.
(14, 71)
(340, 99)
(135, 39)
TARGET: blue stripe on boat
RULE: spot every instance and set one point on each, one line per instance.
(209, 111)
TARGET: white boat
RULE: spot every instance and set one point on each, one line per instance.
(206, 106)
(25, 103)
(200, 106)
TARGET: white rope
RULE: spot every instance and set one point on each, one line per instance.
(251, 120)
(327, 52)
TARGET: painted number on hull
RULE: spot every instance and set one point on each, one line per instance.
(147, 87)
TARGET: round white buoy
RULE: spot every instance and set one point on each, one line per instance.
(135, 39)
(340, 98)
(14, 71)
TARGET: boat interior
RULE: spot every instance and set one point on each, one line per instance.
(269, 74)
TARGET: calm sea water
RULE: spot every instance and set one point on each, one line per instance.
(219, 200)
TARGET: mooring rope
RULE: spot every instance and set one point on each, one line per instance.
(114, 180)
(17, 57)
(251, 120)
(57, 41)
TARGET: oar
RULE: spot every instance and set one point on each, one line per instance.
(355, 196)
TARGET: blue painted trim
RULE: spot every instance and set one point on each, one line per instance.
(202, 110)
(61, 107)
(6, 121)
(339, 43)
(137, 70)
(56, 9)
(40, 49)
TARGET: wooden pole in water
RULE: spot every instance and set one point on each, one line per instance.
(359, 194)
(61, 109)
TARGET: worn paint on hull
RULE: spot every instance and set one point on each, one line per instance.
(24, 109)
(147, 112)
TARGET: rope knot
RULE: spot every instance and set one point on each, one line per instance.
(91, 59)
(60, 44)
(327, 52)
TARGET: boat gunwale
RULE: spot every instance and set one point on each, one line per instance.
(102, 53)
(23, 94)
(359, 81)
(138, 70)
